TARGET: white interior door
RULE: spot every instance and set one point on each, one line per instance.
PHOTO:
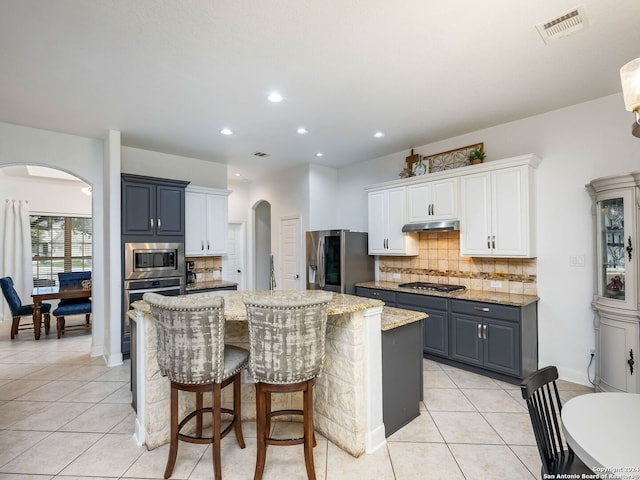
(290, 253)
(233, 262)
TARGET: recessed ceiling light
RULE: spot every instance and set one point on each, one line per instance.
(226, 131)
(274, 97)
(319, 154)
(302, 130)
(378, 134)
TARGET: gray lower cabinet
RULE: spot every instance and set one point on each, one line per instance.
(497, 340)
(436, 326)
(401, 374)
(387, 296)
(217, 289)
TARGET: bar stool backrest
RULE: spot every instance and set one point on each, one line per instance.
(190, 337)
(287, 335)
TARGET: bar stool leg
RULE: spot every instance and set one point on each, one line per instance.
(309, 437)
(261, 433)
(199, 403)
(173, 449)
(217, 405)
(237, 413)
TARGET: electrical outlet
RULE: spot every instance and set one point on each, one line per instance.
(496, 284)
(397, 276)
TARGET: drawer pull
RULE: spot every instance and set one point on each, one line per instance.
(482, 309)
(375, 294)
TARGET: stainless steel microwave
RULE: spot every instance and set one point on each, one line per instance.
(153, 260)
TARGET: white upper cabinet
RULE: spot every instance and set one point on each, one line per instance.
(387, 215)
(496, 217)
(494, 202)
(433, 201)
(206, 221)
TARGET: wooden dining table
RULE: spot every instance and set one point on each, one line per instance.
(602, 429)
(53, 293)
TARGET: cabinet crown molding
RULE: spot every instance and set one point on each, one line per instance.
(529, 159)
(209, 190)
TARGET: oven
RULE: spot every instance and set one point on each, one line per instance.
(153, 260)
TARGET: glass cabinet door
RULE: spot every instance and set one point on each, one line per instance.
(612, 214)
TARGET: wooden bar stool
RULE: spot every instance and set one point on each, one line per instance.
(287, 338)
(193, 355)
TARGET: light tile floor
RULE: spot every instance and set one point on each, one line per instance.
(65, 415)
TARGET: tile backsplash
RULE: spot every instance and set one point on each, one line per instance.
(439, 261)
(209, 267)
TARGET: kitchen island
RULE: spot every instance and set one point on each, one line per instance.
(347, 395)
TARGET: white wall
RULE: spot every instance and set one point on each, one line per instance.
(46, 196)
(323, 197)
(239, 208)
(81, 157)
(288, 194)
(576, 144)
(200, 173)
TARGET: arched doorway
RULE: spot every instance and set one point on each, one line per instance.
(262, 245)
(60, 210)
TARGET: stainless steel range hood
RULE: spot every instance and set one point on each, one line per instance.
(432, 226)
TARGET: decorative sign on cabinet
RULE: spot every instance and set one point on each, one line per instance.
(206, 221)
(615, 300)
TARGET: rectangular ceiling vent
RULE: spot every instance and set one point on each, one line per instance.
(261, 154)
(563, 25)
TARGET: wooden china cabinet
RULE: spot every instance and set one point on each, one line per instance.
(616, 215)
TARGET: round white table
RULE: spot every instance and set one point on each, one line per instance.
(603, 429)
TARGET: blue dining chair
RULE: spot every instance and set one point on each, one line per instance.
(72, 306)
(18, 310)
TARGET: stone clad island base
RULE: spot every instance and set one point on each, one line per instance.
(347, 395)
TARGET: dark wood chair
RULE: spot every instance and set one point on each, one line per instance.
(543, 401)
(286, 339)
(72, 306)
(193, 356)
(18, 310)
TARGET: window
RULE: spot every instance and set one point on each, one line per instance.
(59, 244)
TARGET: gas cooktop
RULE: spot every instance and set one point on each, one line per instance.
(434, 287)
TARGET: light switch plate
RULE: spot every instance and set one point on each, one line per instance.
(397, 276)
(576, 261)
(496, 284)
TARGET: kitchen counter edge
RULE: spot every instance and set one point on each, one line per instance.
(513, 299)
(198, 286)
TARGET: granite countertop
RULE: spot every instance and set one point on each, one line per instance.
(512, 299)
(397, 317)
(194, 287)
(234, 308)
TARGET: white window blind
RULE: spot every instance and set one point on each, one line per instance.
(59, 244)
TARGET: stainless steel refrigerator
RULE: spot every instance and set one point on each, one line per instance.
(338, 259)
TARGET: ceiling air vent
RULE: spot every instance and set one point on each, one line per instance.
(261, 154)
(563, 25)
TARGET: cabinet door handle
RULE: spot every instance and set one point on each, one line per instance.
(493, 242)
(484, 330)
(480, 331)
(629, 249)
(208, 245)
(159, 224)
(489, 242)
(151, 222)
(482, 309)
(630, 362)
(375, 294)
(202, 245)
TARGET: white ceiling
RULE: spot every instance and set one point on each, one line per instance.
(169, 74)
